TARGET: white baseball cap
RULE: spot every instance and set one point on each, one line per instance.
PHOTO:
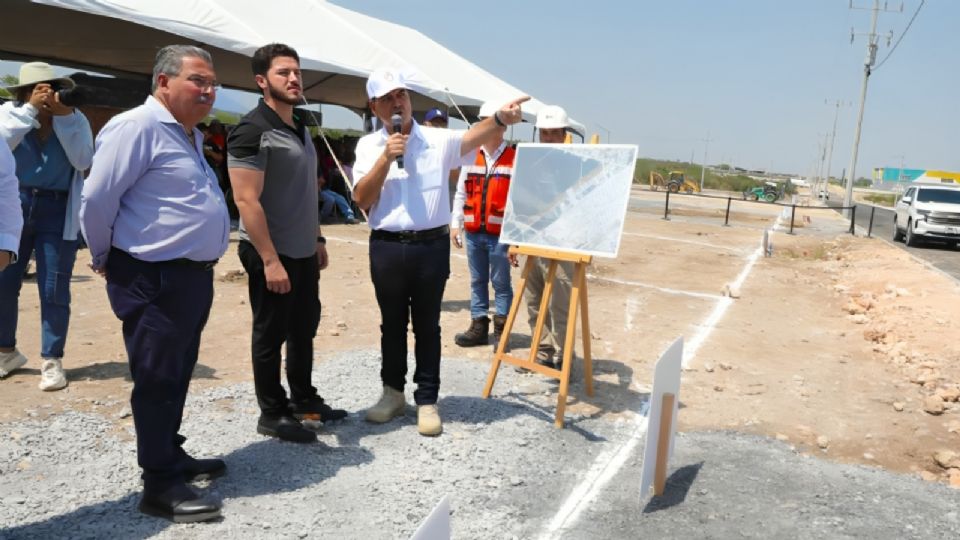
(383, 81)
(487, 110)
(552, 117)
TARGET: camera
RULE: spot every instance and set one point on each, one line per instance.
(74, 97)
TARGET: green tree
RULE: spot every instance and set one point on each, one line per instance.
(7, 80)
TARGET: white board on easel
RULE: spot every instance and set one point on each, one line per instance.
(662, 423)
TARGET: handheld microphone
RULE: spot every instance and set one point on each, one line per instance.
(397, 122)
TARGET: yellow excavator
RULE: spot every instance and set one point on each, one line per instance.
(675, 182)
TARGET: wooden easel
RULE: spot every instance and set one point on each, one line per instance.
(578, 299)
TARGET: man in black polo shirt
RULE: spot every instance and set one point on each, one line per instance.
(273, 168)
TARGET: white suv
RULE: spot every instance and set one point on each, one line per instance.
(928, 211)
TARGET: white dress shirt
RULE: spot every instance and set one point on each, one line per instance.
(416, 197)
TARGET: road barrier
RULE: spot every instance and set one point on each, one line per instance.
(793, 209)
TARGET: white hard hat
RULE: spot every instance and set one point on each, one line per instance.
(487, 110)
(552, 117)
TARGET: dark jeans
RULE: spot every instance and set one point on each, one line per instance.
(277, 318)
(43, 217)
(409, 279)
(163, 307)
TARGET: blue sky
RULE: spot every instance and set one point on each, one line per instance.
(753, 74)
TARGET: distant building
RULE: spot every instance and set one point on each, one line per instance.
(893, 178)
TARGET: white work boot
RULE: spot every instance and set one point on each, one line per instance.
(52, 376)
(391, 404)
(428, 420)
(10, 362)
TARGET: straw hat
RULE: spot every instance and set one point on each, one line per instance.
(32, 73)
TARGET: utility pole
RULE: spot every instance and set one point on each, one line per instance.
(869, 61)
(833, 136)
(823, 158)
(817, 178)
(703, 169)
(900, 176)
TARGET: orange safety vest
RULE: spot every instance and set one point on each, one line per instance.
(486, 189)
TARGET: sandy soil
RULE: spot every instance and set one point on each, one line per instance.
(833, 344)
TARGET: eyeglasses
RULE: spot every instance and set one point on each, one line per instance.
(204, 84)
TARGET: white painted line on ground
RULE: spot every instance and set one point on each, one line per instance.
(604, 467)
(682, 241)
(661, 289)
(610, 462)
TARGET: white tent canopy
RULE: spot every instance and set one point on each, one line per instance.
(338, 47)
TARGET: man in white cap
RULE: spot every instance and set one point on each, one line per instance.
(552, 124)
(478, 210)
(53, 145)
(403, 185)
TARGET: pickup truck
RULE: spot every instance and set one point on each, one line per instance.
(928, 211)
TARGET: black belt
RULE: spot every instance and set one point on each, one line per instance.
(187, 263)
(40, 192)
(408, 237)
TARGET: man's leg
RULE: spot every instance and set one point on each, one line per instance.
(390, 272)
(304, 318)
(270, 318)
(389, 269)
(327, 204)
(500, 277)
(536, 281)
(560, 304)
(478, 263)
(431, 261)
(342, 205)
(163, 310)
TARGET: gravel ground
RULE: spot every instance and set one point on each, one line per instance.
(505, 467)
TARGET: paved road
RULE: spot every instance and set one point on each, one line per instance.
(941, 255)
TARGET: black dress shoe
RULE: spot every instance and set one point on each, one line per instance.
(203, 469)
(180, 504)
(285, 428)
(315, 409)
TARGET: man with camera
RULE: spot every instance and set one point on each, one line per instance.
(52, 145)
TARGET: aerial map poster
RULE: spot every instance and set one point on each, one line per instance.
(569, 197)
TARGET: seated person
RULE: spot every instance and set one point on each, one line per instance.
(329, 199)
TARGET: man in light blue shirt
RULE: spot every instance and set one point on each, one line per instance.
(156, 223)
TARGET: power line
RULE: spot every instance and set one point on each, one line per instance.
(915, 13)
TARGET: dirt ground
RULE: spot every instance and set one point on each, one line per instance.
(833, 344)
